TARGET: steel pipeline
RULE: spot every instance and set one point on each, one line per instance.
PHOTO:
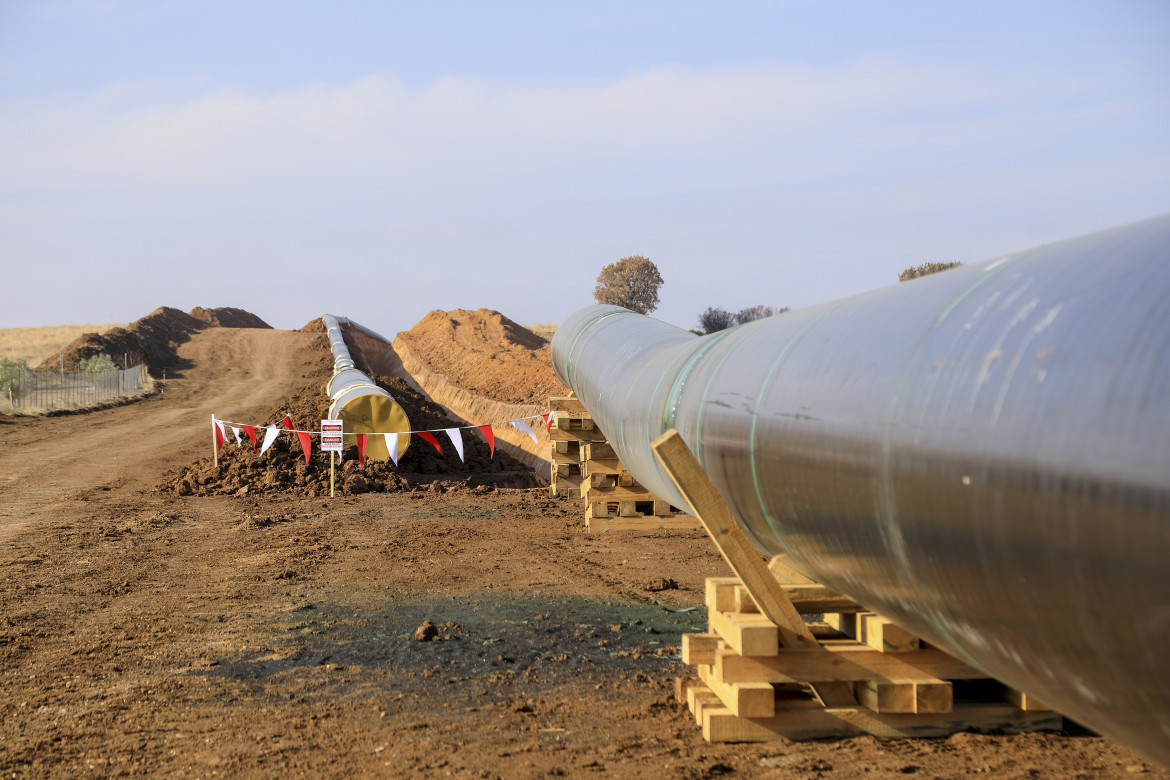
(982, 455)
(356, 399)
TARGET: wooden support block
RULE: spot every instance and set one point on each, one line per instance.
(681, 685)
(692, 482)
(784, 569)
(746, 634)
(602, 481)
(592, 467)
(570, 448)
(886, 695)
(882, 634)
(720, 593)
(622, 494)
(598, 450)
(699, 649)
(747, 700)
(816, 599)
(699, 697)
(1023, 701)
(563, 434)
(587, 424)
(566, 404)
(628, 509)
(743, 601)
(933, 697)
(663, 508)
(847, 661)
(803, 722)
(845, 622)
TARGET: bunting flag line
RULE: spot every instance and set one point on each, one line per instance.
(456, 441)
(270, 434)
(248, 429)
(486, 430)
(455, 434)
(522, 425)
(361, 442)
(220, 438)
(392, 446)
(428, 437)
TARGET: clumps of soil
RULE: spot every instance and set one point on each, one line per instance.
(314, 325)
(154, 339)
(228, 317)
(485, 353)
(283, 469)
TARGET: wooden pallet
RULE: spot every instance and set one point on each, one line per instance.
(585, 466)
(765, 673)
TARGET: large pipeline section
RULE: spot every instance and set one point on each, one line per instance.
(982, 455)
(357, 400)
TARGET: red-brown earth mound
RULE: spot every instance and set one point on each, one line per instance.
(485, 353)
(154, 339)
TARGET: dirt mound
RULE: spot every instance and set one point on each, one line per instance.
(228, 317)
(314, 325)
(283, 470)
(485, 353)
(154, 339)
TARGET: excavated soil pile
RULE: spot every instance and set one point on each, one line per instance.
(312, 326)
(154, 339)
(485, 353)
(283, 470)
(228, 317)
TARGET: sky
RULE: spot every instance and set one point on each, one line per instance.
(379, 160)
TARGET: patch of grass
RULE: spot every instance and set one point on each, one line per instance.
(35, 345)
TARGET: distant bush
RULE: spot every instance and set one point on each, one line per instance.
(715, 319)
(753, 313)
(11, 372)
(95, 363)
(913, 272)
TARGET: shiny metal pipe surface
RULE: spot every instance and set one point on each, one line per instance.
(982, 455)
(355, 398)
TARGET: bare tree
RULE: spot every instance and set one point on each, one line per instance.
(753, 313)
(913, 272)
(715, 319)
(631, 282)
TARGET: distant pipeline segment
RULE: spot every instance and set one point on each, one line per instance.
(357, 400)
(981, 455)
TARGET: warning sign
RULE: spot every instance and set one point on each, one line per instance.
(331, 436)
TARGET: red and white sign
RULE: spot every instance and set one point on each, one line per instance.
(331, 438)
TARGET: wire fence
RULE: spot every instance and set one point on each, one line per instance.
(39, 392)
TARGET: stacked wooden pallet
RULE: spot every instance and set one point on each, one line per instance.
(752, 689)
(585, 466)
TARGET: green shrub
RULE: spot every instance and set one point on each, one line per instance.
(11, 372)
(94, 363)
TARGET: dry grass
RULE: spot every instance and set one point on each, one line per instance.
(37, 344)
(543, 329)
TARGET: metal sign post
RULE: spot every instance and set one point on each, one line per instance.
(331, 442)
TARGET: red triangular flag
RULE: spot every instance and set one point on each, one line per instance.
(248, 429)
(549, 417)
(426, 435)
(287, 422)
(486, 430)
(305, 438)
(218, 432)
(361, 438)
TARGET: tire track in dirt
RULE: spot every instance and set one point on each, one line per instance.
(52, 464)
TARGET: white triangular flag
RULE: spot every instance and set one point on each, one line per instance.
(222, 432)
(270, 434)
(522, 425)
(392, 446)
(236, 433)
(456, 439)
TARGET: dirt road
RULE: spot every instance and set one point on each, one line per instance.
(144, 634)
